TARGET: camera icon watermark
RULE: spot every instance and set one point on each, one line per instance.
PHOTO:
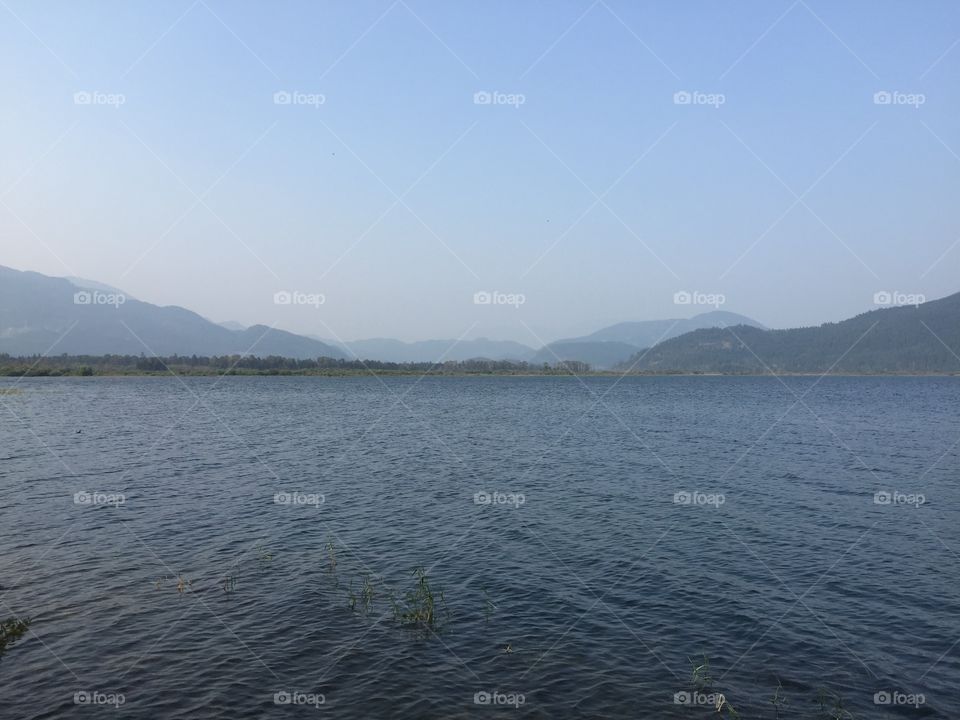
(95, 97)
(97, 697)
(495, 697)
(95, 498)
(895, 697)
(895, 298)
(495, 97)
(694, 697)
(296, 297)
(682, 497)
(299, 499)
(295, 97)
(495, 297)
(895, 497)
(513, 500)
(95, 297)
(895, 97)
(684, 297)
(695, 97)
(294, 697)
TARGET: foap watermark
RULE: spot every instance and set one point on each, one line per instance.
(299, 498)
(683, 297)
(695, 697)
(682, 497)
(96, 97)
(495, 297)
(295, 97)
(895, 697)
(513, 500)
(695, 97)
(99, 498)
(96, 297)
(496, 697)
(296, 297)
(294, 697)
(895, 497)
(895, 298)
(98, 697)
(895, 97)
(495, 97)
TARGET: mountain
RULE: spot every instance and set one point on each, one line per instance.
(612, 345)
(600, 355)
(48, 315)
(232, 325)
(922, 338)
(389, 350)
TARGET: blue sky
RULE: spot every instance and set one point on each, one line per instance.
(589, 190)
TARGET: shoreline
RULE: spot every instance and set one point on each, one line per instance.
(70, 373)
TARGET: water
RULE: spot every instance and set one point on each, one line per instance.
(599, 583)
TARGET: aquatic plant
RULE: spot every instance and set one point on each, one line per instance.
(229, 583)
(831, 705)
(701, 675)
(778, 700)
(12, 630)
(183, 583)
(422, 606)
(11, 391)
(263, 554)
(351, 598)
(488, 606)
(726, 708)
(332, 555)
(367, 593)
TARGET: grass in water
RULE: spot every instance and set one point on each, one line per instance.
(351, 598)
(778, 701)
(332, 555)
(701, 675)
(421, 607)
(367, 593)
(831, 705)
(12, 630)
(263, 554)
(11, 391)
(488, 606)
(702, 679)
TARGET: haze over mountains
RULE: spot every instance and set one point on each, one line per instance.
(47, 315)
(608, 346)
(36, 311)
(910, 339)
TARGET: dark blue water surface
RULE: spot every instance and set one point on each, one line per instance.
(589, 599)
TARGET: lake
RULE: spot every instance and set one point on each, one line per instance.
(227, 548)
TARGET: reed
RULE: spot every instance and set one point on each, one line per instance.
(12, 630)
(778, 701)
(423, 607)
(263, 554)
(488, 606)
(332, 555)
(831, 705)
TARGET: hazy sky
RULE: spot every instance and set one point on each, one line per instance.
(586, 184)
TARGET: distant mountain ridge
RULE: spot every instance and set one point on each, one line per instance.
(908, 339)
(390, 350)
(41, 314)
(610, 346)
